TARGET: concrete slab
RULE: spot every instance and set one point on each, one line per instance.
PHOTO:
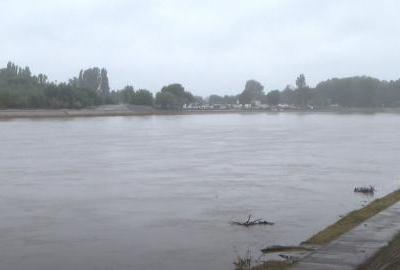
(357, 246)
(318, 266)
(337, 257)
(345, 246)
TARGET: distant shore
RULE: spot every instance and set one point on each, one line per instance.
(137, 110)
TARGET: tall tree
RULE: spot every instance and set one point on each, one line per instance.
(301, 82)
(253, 91)
(143, 97)
(302, 95)
(95, 79)
(103, 85)
(173, 96)
(273, 97)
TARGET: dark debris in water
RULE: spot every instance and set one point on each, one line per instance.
(249, 222)
(365, 190)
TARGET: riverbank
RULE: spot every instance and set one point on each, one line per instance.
(138, 110)
(388, 256)
(104, 110)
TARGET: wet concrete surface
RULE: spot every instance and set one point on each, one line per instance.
(354, 248)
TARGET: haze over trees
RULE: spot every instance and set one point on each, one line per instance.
(360, 91)
(128, 95)
(94, 79)
(253, 91)
(173, 96)
(20, 89)
(215, 99)
(273, 98)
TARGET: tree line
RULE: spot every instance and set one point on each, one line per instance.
(359, 91)
(19, 88)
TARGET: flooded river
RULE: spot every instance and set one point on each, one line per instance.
(159, 192)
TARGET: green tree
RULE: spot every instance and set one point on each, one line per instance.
(253, 91)
(301, 82)
(303, 93)
(166, 100)
(215, 99)
(173, 96)
(103, 83)
(95, 79)
(127, 95)
(273, 97)
(143, 97)
(287, 95)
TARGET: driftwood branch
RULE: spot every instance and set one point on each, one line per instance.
(365, 190)
(250, 222)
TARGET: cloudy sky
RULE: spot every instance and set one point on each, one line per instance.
(210, 46)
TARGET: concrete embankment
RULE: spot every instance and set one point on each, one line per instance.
(354, 248)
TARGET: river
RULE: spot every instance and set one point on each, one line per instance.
(159, 192)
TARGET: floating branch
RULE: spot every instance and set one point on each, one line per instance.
(365, 190)
(250, 222)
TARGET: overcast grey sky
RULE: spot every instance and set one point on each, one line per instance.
(209, 46)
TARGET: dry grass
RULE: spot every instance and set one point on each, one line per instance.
(353, 219)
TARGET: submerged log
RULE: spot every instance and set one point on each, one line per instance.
(250, 222)
(365, 190)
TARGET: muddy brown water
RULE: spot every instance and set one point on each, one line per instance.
(159, 192)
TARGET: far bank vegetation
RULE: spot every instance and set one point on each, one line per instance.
(21, 89)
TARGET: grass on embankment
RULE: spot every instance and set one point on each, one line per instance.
(353, 219)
